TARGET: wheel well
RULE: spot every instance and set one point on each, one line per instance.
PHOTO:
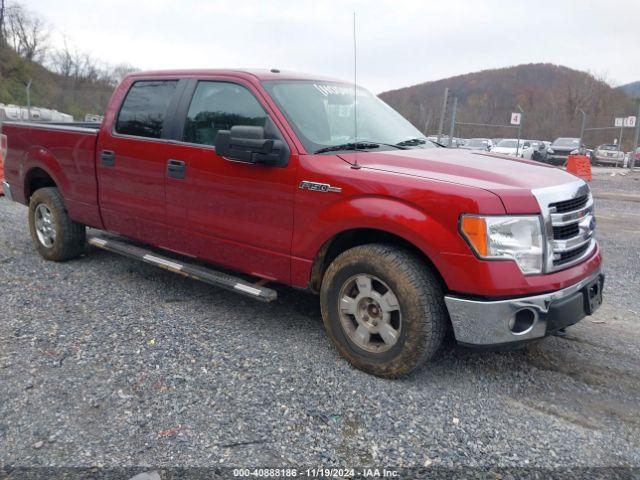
(353, 238)
(36, 179)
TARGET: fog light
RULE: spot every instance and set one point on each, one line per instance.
(522, 321)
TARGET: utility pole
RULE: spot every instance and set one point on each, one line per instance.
(584, 125)
(519, 128)
(453, 120)
(620, 137)
(29, 100)
(443, 112)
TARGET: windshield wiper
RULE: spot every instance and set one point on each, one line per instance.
(412, 142)
(349, 146)
(361, 145)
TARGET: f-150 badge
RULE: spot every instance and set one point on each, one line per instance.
(319, 187)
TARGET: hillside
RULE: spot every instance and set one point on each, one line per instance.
(550, 95)
(69, 94)
(631, 89)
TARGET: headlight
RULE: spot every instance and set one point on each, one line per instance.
(549, 150)
(575, 152)
(506, 237)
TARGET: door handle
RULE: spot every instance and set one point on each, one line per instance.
(108, 158)
(176, 169)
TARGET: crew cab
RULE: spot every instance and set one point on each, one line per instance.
(317, 184)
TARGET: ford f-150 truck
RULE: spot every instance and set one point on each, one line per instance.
(315, 183)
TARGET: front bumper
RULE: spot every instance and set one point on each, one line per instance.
(485, 323)
(6, 188)
(609, 160)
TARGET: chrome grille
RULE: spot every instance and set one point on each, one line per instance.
(569, 221)
(569, 205)
(567, 231)
(565, 257)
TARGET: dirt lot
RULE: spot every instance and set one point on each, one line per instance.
(108, 362)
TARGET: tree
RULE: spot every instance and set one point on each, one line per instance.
(24, 31)
(2, 19)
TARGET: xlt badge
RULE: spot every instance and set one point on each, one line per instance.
(318, 187)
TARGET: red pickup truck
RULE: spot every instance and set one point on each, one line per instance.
(276, 177)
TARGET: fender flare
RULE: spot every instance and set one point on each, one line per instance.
(41, 158)
(388, 215)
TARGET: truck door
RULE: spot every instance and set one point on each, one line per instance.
(231, 213)
(131, 161)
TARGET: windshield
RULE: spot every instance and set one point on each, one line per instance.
(322, 115)
(608, 147)
(508, 143)
(477, 142)
(567, 142)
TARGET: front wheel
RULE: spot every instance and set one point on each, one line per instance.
(383, 309)
(55, 236)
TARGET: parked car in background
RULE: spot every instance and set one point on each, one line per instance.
(537, 150)
(608, 154)
(456, 142)
(561, 148)
(509, 146)
(444, 140)
(478, 144)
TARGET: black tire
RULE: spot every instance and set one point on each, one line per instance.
(420, 298)
(70, 236)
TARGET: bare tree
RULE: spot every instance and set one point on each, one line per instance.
(3, 34)
(118, 72)
(26, 32)
(62, 61)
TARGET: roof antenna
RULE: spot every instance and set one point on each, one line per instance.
(355, 165)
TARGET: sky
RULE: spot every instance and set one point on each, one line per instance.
(399, 43)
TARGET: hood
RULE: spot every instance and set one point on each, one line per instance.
(511, 178)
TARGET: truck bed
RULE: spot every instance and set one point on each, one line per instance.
(66, 152)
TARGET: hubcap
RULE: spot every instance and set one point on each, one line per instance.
(45, 226)
(370, 313)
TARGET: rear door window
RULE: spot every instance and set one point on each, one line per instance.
(144, 110)
(219, 106)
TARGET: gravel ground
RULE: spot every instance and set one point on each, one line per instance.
(105, 361)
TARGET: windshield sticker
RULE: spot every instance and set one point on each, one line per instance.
(327, 89)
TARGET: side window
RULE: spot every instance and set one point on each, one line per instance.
(220, 106)
(145, 108)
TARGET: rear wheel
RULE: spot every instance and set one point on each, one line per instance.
(55, 236)
(383, 309)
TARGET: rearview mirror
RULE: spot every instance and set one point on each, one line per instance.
(248, 144)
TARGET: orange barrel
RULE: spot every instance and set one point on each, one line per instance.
(580, 165)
